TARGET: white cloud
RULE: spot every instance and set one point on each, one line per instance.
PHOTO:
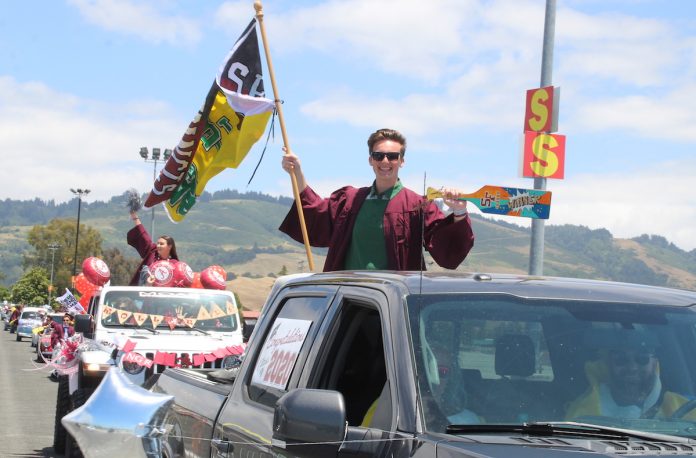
(140, 20)
(56, 141)
(659, 200)
(668, 116)
(486, 54)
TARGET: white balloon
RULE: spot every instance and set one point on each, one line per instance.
(119, 419)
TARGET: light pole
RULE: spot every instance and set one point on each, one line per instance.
(536, 245)
(79, 193)
(53, 247)
(154, 158)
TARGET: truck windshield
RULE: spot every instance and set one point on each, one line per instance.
(500, 359)
(206, 310)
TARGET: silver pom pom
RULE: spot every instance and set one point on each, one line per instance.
(133, 201)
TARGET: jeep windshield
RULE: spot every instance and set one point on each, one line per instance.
(499, 359)
(207, 310)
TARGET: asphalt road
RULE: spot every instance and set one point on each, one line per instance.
(27, 400)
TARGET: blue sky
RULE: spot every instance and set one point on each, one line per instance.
(85, 83)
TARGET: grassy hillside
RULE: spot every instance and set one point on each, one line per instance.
(241, 234)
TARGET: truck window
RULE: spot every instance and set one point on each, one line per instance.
(504, 359)
(291, 331)
(354, 364)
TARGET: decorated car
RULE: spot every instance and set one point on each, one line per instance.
(44, 348)
(144, 330)
(28, 320)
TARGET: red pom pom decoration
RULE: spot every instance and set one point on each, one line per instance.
(163, 273)
(214, 277)
(183, 275)
(96, 271)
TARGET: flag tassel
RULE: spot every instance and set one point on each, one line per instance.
(281, 120)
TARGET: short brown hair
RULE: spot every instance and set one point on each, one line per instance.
(387, 134)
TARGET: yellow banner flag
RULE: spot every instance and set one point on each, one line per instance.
(233, 118)
(216, 311)
(203, 314)
(156, 320)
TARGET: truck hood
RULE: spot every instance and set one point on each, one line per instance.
(543, 447)
(185, 341)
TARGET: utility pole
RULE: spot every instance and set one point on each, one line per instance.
(53, 247)
(536, 248)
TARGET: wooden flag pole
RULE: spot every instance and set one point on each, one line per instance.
(279, 108)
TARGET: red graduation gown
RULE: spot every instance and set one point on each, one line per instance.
(330, 224)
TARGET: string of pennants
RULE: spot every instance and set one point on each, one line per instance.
(173, 360)
(155, 319)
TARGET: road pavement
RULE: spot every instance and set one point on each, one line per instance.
(27, 400)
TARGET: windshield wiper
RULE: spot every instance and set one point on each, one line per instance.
(195, 329)
(568, 428)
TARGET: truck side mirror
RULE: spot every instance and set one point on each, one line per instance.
(85, 324)
(309, 422)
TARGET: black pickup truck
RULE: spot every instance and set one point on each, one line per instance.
(449, 365)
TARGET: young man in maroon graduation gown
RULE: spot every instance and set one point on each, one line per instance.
(379, 226)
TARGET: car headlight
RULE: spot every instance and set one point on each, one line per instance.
(132, 368)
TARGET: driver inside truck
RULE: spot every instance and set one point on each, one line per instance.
(624, 381)
(448, 389)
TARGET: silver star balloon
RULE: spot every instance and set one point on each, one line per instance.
(120, 419)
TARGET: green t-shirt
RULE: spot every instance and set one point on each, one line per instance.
(367, 250)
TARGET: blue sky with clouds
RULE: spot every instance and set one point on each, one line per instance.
(85, 83)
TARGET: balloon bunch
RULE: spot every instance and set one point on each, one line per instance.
(95, 274)
(166, 273)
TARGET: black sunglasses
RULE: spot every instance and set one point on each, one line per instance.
(379, 157)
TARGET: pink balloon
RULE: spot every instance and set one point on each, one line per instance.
(163, 273)
(214, 277)
(96, 271)
(183, 275)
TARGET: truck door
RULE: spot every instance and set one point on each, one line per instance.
(272, 367)
(355, 358)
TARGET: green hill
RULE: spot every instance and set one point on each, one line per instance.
(239, 232)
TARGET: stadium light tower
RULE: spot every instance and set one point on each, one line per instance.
(154, 158)
(79, 193)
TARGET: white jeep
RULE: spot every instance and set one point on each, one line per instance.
(169, 326)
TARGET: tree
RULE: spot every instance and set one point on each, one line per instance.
(61, 232)
(5, 293)
(121, 268)
(32, 288)
(283, 270)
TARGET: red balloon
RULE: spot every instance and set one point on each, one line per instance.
(196, 280)
(83, 285)
(219, 270)
(214, 277)
(183, 275)
(96, 271)
(163, 273)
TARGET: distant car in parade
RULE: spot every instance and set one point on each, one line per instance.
(36, 336)
(28, 320)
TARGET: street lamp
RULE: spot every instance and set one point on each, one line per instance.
(79, 193)
(53, 247)
(154, 158)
